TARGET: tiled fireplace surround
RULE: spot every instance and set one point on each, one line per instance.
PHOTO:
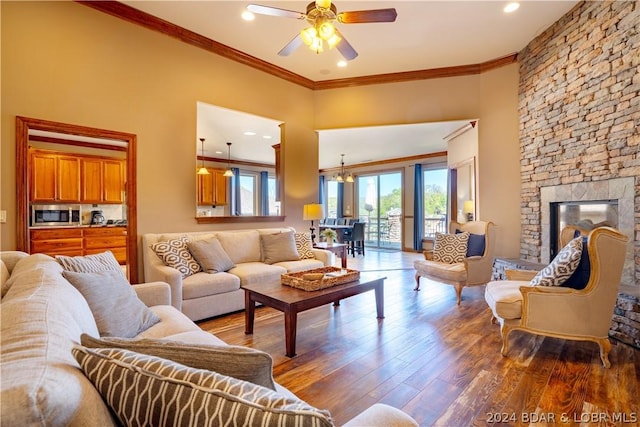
(579, 110)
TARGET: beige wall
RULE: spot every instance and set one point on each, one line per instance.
(75, 65)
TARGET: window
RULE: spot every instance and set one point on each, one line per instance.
(248, 193)
(332, 199)
(435, 201)
(274, 207)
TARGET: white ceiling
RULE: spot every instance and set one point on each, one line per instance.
(426, 35)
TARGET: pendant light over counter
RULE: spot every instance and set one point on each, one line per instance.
(202, 170)
(228, 172)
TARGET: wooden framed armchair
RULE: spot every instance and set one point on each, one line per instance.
(564, 312)
(472, 271)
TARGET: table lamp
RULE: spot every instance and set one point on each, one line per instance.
(311, 212)
(468, 208)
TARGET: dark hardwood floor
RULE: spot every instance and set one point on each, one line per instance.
(438, 362)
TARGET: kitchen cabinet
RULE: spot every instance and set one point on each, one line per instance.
(103, 180)
(80, 241)
(101, 239)
(57, 241)
(213, 188)
(54, 177)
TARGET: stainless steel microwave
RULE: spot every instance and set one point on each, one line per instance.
(55, 215)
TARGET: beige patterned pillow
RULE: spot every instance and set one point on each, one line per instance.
(562, 266)
(304, 246)
(148, 390)
(174, 253)
(450, 248)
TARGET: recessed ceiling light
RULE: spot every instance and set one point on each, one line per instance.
(266, 136)
(511, 7)
(218, 152)
(248, 16)
(249, 133)
(342, 63)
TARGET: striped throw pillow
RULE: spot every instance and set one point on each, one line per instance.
(148, 390)
(89, 263)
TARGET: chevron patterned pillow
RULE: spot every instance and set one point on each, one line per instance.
(450, 248)
(175, 253)
(148, 390)
(562, 266)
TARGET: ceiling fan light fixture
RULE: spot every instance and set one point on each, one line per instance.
(323, 4)
(326, 30)
(333, 40)
(309, 35)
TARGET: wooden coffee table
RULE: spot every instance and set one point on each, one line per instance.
(291, 301)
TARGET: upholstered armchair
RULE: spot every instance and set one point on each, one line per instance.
(560, 311)
(471, 270)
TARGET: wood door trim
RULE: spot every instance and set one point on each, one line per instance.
(23, 125)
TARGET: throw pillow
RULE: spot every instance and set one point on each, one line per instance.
(115, 306)
(174, 253)
(304, 246)
(580, 277)
(562, 266)
(476, 244)
(90, 263)
(279, 247)
(450, 248)
(210, 254)
(147, 390)
(243, 363)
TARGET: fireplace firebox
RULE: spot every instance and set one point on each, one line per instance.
(583, 214)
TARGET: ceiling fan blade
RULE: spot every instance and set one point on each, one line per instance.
(274, 11)
(345, 49)
(295, 43)
(364, 16)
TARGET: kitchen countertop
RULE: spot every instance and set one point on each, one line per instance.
(44, 227)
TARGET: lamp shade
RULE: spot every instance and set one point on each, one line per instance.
(468, 206)
(312, 211)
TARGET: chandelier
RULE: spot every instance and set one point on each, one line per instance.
(342, 175)
(202, 170)
(228, 172)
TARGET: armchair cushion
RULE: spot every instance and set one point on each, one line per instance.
(562, 266)
(450, 248)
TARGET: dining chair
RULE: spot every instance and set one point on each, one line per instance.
(330, 221)
(355, 242)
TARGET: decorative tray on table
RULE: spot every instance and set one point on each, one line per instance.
(320, 278)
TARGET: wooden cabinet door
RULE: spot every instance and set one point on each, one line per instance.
(113, 181)
(220, 190)
(43, 177)
(205, 189)
(68, 173)
(63, 241)
(91, 180)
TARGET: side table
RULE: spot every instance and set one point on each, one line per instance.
(340, 249)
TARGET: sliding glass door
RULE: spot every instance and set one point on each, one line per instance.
(380, 207)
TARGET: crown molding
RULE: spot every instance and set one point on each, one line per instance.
(135, 16)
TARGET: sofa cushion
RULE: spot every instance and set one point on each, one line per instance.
(300, 265)
(450, 248)
(205, 284)
(89, 263)
(172, 394)
(210, 255)
(175, 254)
(241, 246)
(257, 272)
(304, 245)
(243, 363)
(562, 266)
(504, 298)
(4, 276)
(279, 247)
(115, 306)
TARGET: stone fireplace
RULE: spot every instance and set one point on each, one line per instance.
(618, 192)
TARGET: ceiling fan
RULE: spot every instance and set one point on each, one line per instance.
(322, 15)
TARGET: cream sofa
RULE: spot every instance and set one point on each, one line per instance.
(204, 295)
(43, 317)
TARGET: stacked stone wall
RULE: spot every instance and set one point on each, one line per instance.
(579, 108)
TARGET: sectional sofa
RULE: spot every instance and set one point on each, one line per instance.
(200, 294)
(49, 379)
